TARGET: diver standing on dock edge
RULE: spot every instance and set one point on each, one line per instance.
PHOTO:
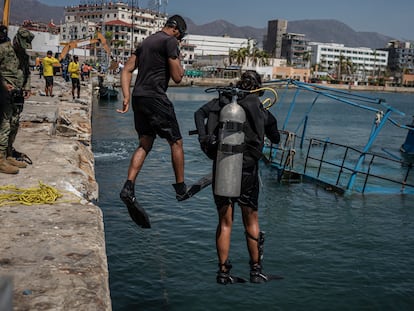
(158, 61)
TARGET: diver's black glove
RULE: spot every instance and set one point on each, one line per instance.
(203, 139)
(208, 144)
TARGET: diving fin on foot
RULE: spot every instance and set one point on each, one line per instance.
(271, 277)
(226, 278)
(137, 213)
(197, 187)
(236, 279)
(263, 278)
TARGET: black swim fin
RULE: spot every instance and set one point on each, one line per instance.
(137, 213)
(271, 277)
(197, 187)
(225, 278)
(263, 278)
(237, 279)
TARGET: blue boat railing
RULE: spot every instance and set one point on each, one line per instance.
(343, 167)
(333, 165)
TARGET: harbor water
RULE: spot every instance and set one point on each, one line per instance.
(351, 252)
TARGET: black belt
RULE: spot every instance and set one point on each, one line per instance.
(232, 149)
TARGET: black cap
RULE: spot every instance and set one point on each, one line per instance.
(178, 22)
(49, 52)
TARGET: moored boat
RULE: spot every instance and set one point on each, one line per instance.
(106, 92)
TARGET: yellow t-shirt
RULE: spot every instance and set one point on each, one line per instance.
(73, 69)
(48, 65)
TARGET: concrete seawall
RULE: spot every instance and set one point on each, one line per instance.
(55, 253)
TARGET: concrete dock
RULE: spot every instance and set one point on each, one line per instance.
(54, 254)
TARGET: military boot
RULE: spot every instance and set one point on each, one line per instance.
(16, 163)
(6, 167)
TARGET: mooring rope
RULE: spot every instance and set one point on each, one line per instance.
(44, 194)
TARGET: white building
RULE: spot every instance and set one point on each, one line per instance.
(128, 25)
(365, 61)
(45, 41)
(214, 45)
(77, 30)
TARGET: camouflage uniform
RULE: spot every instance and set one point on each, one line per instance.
(12, 72)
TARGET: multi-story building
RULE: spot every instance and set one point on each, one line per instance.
(348, 62)
(273, 41)
(295, 50)
(215, 45)
(125, 26)
(77, 30)
(401, 57)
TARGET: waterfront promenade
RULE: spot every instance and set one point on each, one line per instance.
(211, 82)
(54, 254)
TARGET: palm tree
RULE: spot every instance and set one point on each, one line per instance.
(232, 56)
(350, 68)
(108, 36)
(340, 66)
(241, 55)
(306, 57)
(263, 57)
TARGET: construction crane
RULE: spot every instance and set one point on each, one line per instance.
(77, 44)
(6, 12)
(83, 42)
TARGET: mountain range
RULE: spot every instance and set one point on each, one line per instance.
(326, 31)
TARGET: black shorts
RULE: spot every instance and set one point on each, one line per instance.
(75, 82)
(155, 116)
(249, 194)
(49, 81)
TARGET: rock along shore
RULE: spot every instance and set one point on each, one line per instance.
(55, 254)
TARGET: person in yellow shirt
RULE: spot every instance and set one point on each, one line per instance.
(74, 72)
(48, 62)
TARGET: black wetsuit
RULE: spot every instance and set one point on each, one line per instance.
(259, 122)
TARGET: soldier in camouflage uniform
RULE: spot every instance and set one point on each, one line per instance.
(14, 67)
(4, 98)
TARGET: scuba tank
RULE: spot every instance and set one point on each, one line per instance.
(229, 161)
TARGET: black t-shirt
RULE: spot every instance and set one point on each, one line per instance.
(153, 70)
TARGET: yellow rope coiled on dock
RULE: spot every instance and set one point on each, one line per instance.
(44, 194)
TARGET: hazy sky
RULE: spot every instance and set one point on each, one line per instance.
(389, 17)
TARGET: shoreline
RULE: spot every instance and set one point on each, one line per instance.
(210, 82)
